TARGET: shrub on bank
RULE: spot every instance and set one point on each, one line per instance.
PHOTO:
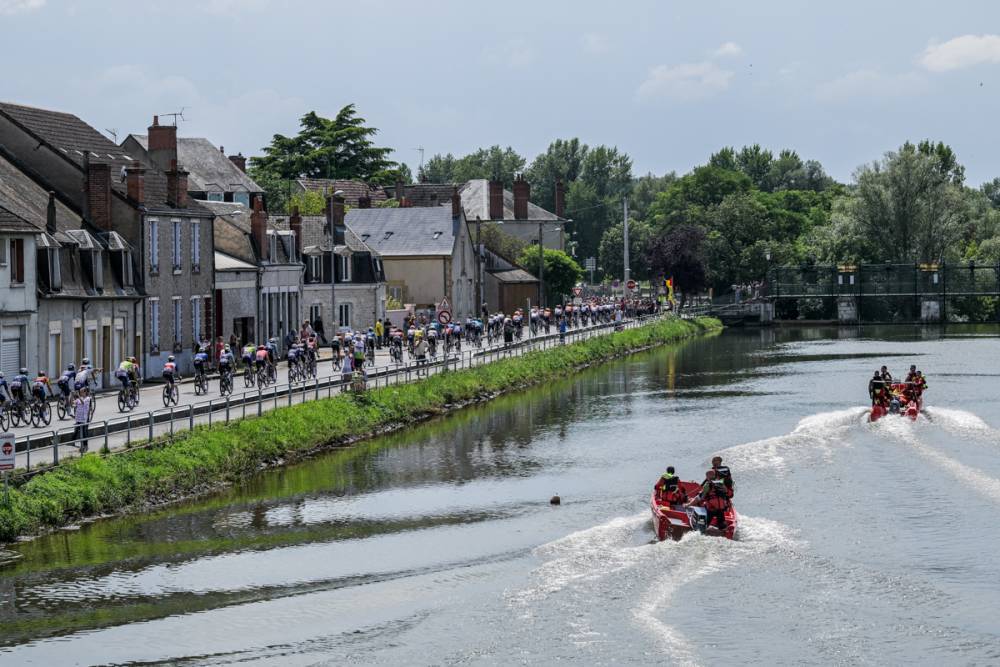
(222, 453)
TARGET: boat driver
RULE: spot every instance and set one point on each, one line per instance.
(724, 473)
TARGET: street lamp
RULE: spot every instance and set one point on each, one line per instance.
(335, 251)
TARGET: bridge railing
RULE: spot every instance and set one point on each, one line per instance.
(920, 280)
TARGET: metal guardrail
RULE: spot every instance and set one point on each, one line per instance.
(142, 427)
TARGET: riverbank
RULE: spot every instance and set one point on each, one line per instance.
(209, 457)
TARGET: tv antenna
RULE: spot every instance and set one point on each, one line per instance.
(113, 131)
(420, 149)
(175, 115)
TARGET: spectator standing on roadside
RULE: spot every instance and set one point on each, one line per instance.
(81, 414)
(379, 333)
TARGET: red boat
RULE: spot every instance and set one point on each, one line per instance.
(674, 522)
(902, 401)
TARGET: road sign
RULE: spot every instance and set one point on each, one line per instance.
(577, 291)
(590, 264)
(7, 451)
(444, 305)
(630, 284)
(615, 283)
(577, 301)
(444, 316)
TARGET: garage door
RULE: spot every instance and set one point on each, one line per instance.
(10, 351)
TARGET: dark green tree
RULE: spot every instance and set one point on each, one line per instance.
(562, 273)
(610, 253)
(492, 162)
(563, 159)
(679, 254)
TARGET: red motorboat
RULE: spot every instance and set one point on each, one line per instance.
(675, 521)
(904, 400)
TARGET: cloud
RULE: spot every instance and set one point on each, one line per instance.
(870, 83)
(728, 49)
(686, 82)
(595, 43)
(513, 53)
(962, 52)
(11, 7)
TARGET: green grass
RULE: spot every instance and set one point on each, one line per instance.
(224, 453)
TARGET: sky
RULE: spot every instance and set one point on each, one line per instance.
(666, 82)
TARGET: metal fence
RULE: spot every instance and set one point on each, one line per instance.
(125, 431)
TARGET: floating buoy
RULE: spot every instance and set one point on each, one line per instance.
(555, 500)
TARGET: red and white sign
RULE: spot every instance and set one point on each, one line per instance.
(577, 291)
(444, 316)
(444, 305)
(7, 451)
(630, 284)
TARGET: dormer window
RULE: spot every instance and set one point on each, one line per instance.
(388, 235)
(55, 271)
(125, 257)
(314, 269)
(97, 269)
(272, 253)
(344, 268)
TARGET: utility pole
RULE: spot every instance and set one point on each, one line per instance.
(541, 268)
(625, 228)
(479, 267)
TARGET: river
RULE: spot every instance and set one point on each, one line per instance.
(860, 543)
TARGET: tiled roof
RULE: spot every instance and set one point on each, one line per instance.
(353, 190)
(429, 194)
(23, 197)
(406, 231)
(208, 169)
(476, 202)
(11, 222)
(314, 234)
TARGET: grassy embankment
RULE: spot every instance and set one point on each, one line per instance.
(208, 456)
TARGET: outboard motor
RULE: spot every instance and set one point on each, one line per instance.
(894, 405)
(698, 518)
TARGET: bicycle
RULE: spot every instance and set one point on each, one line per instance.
(4, 417)
(249, 377)
(64, 405)
(171, 393)
(225, 381)
(263, 376)
(41, 413)
(295, 372)
(200, 382)
(311, 367)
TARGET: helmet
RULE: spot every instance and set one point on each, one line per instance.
(132, 359)
(23, 371)
(226, 348)
(1, 374)
(170, 358)
(85, 361)
(71, 367)
(41, 374)
(272, 340)
(203, 348)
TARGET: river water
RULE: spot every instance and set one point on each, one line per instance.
(860, 543)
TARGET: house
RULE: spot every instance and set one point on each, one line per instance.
(211, 175)
(360, 297)
(357, 194)
(259, 273)
(146, 206)
(488, 201)
(427, 253)
(79, 279)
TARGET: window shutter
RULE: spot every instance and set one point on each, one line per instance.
(18, 245)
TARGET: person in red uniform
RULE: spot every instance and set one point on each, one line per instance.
(667, 481)
(715, 499)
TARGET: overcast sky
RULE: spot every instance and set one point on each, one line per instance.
(667, 82)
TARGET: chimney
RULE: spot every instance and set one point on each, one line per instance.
(135, 183)
(399, 189)
(177, 186)
(162, 144)
(496, 200)
(364, 201)
(560, 198)
(50, 214)
(295, 224)
(258, 228)
(98, 186)
(521, 193)
(334, 213)
(239, 161)
(456, 203)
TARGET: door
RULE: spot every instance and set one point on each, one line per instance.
(55, 354)
(10, 351)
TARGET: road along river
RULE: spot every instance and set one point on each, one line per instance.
(861, 543)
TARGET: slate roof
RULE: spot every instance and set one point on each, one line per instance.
(12, 222)
(23, 197)
(428, 194)
(353, 190)
(231, 230)
(314, 238)
(514, 276)
(406, 231)
(209, 169)
(476, 202)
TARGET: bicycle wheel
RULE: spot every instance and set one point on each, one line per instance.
(45, 413)
(61, 409)
(4, 419)
(122, 401)
(166, 395)
(248, 378)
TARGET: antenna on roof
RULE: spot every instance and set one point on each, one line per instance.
(175, 115)
(113, 131)
(421, 151)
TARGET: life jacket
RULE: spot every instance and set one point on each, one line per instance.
(675, 496)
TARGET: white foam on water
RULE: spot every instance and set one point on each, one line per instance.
(908, 433)
(963, 423)
(816, 433)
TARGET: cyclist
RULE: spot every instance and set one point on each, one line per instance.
(4, 390)
(263, 356)
(397, 345)
(170, 373)
(200, 359)
(41, 386)
(457, 334)
(272, 350)
(432, 339)
(293, 356)
(249, 353)
(335, 345)
(66, 380)
(19, 385)
(226, 362)
(370, 342)
(125, 372)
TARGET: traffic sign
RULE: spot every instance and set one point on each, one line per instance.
(590, 263)
(444, 305)
(577, 291)
(444, 316)
(630, 284)
(7, 452)
(615, 283)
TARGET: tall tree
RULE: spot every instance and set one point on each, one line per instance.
(611, 253)
(678, 253)
(492, 162)
(561, 272)
(563, 159)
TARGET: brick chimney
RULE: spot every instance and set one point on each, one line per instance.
(295, 224)
(50, 215)
(239, 161)
(334, 213)
(177, 186)
(560, 198)
(135, 183)
(456, 203)
(521, 193)
(496, 200)
(162, 143)
(399, 189)
(364, 201)
(258, 228)
(98, 186)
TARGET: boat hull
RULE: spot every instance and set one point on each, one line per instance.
(675, 522)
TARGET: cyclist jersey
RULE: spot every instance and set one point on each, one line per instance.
(169, 368)
(66, 377)
(261, 354)
(249, 350)
(200, 358)
(226, 359)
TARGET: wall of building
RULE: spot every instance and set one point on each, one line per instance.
(18, 307)
(367, 301)
(423, 278)
(238, 293)
(72, 329)
(552, 237)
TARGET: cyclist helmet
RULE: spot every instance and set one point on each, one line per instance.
(24, 371)
(41, 374)
(71, 367)
(226, 348)
(1, 375)
(170, 358)
(85, 361)
(132, 359)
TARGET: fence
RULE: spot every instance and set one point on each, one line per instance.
(125, 431)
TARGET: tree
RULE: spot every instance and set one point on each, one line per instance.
(611, 251)
(506, 245)
(562, 273)
(644, 192)
(756, 163)
(687, 200)
(492, 163)
(992, 191)
(678, 254)
(309, 202)
(563, 159)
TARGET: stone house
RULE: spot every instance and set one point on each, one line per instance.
(18, 296)
(357, 194)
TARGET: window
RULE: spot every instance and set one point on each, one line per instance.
(196, 245)
(126, 260)
(344, 268)
(196, 318)
(55, 354)
(55, 272)
(98, 268)
(78, 343)
(344, 314)
(177, 245)
(315, 312)
(154, 324)
(215, 196)
(315, 274)
(3, 252)
(396, 293)
(17, 261)
(242, 198)
(178, 334)
(272, 252)
(154, 246)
